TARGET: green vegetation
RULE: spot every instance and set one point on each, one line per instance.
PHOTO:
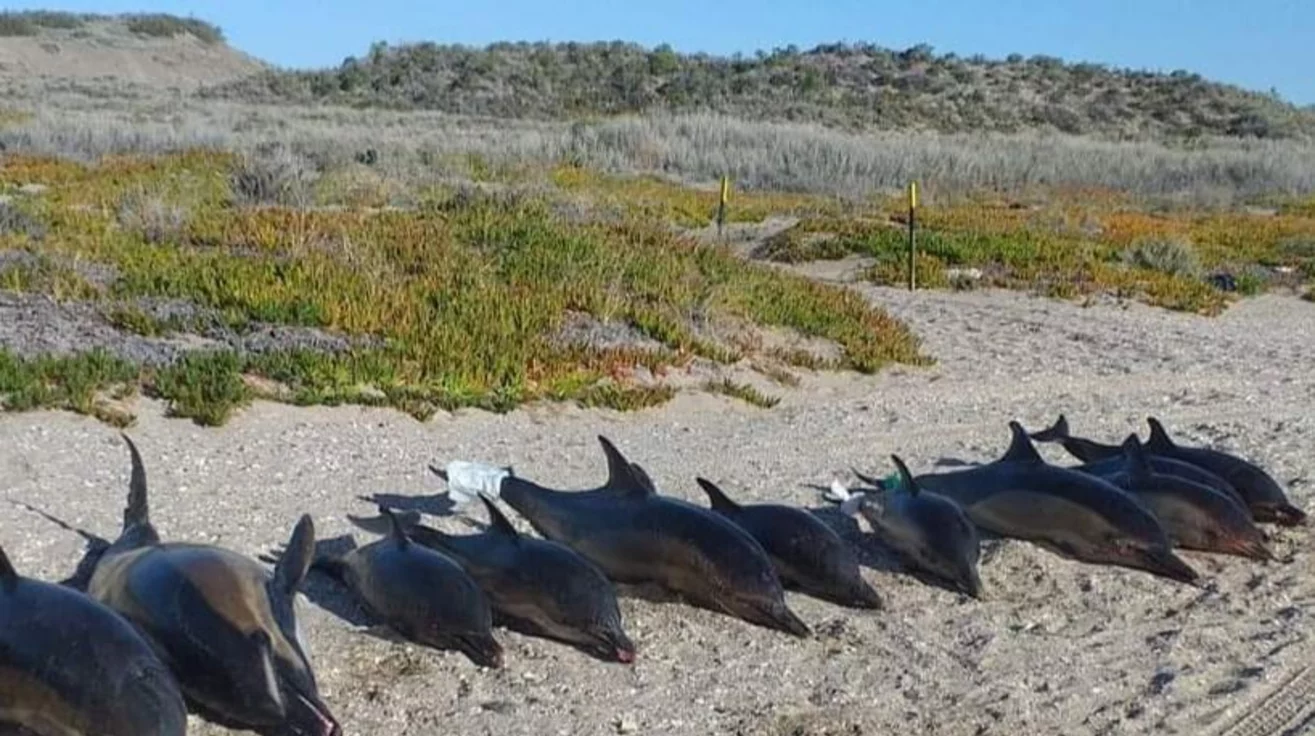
(1075, 245)
(742, 391)
(463, 295)
(848, 86)
(163, 24)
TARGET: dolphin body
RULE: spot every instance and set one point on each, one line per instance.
(422, 594)
(808, 555)
(1075, 514)
(927, 529)
(1195, 516)
(225, 626)
(1253, 486)
(636, 535)
(536, 585)
(70, 666)
(1105, 460)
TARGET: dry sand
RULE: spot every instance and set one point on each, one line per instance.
(1059, 647)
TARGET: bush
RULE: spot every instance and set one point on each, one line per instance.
(154, 219)
(15, 221)
(14, 24)
(273, 175)
(165, 25)
(1173, 256)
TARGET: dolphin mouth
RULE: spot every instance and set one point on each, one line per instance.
(484, 651)
(1252, 548)
(308, 717)
(1283, 514)
(781, 618)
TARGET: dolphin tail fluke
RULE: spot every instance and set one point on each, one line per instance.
(1057, 432)
(467, 480)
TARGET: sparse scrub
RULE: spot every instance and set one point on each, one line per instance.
(204, 386)
(852, 86)
(1172, 256)
(151, 217)
(16, 24)
(742, 391)
(165, 25)
(273, 175)
(15, 221)
(64, 382)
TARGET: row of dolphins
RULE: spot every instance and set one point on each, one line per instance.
(147, 629)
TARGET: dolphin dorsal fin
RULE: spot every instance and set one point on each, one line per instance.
(137, 511)
(1135, 458)
(1057, 432)
(1021, 448)
(907, 483)
(395, 528)
(498, 521)
(1159, 439)
(716, 496)
(622, 475)
(297, 558)
(8, 575)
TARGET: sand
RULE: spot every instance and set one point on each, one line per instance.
(1057, 647)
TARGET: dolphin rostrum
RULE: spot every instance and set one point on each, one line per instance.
(636, 535)
(224, 625)
(1195, 516)
(70, 665)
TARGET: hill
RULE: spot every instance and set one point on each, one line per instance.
(150, 50)
(859, 86)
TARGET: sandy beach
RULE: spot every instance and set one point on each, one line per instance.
(1057, 646)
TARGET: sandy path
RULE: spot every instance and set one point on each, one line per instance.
(1060, 647)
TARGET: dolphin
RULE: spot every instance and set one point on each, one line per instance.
(1103, 460)
(1075, 514)
(808, 555)
(1195, 516)
(224, 625)
(73, 667)
(1260, 491)
(422, 594)
(536, 585)
(636, 535)
(927, 529)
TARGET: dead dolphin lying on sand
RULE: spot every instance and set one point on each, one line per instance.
(1260, 491)
(809, 556)
(927, 529)
(1252, 485)
(1195, 516)
(1105, 460)
(530, 583)
(1082, 516)
(421, 593)
(224, 625)
(73, 667)
(636, 535)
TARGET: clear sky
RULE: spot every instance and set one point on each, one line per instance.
(1258, 44)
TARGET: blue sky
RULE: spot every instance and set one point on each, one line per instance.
(1259, 44)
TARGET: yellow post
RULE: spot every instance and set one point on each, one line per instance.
(721, 205)
(913, 248)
